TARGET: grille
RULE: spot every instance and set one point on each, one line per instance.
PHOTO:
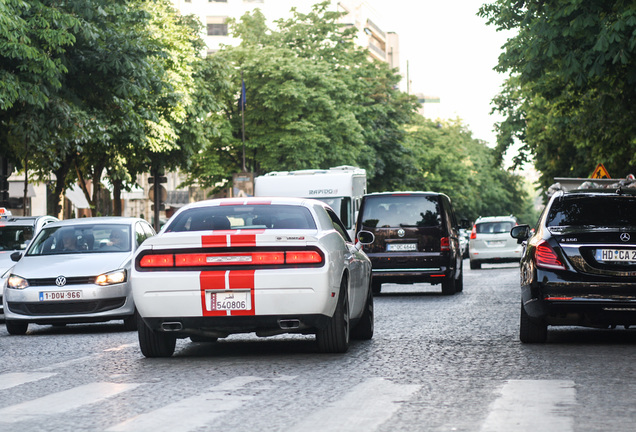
(65, 308)
(69, 281)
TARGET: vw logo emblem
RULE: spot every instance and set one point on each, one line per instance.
(400, 232)
(625, 237)
(60, 281)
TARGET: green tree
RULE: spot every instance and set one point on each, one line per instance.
(569, 98)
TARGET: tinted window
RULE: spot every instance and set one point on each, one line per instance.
(592, 210)
(494, 227)
(15, 237)
(342, 207)
(243, 217)
(401, 210)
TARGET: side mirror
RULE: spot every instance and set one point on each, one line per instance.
(15, 256)
(364, 238)
(520, 232)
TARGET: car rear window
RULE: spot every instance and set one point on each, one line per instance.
(494, 227)
(592, 211)
(401, 210)
(243, 217)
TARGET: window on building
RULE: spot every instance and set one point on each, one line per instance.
(216, 25)
(217, 1)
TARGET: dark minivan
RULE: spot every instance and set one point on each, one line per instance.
(416, 239)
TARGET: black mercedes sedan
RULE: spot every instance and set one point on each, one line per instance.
(579, 267)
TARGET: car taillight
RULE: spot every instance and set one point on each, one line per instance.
(545, 257)
(231, 259)
(444, 244)
(473, 232)
(166, 260)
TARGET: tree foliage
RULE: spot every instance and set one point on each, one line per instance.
(570, 97)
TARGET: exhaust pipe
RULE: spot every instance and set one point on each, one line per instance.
(287, 324)
(171, 326)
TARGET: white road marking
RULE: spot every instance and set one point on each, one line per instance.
(190, 413)
(533, 405)
(61, 402)
(87, 359)
(9, 380)
(367, 406)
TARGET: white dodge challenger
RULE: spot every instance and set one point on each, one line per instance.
(263, 265)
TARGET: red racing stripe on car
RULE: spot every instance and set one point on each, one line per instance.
(216, 284)
(231, 238)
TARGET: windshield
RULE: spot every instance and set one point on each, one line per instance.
(243, 217)
(98, 238)
(401, 210)
(15, 237)
(592, 210)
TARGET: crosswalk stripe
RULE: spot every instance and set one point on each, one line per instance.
(61, 402)
(9, 380)
(190, 413)
(367, 406)
(533, 405)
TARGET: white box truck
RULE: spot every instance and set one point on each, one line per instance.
(341, 187)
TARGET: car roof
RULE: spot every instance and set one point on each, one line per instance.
(496, 219)
(427, 193)
(24, 220)
(602, 192)
(93, 220)
(306, 202)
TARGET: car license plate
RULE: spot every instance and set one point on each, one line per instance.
(496, 243)
(616, 255)
(401, 247)
(61, 295)
(228, 300)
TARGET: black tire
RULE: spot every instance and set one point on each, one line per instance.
(335, 337)
(376, 286)
(153, 343)
(448, 285)
(532, 330)
(16, 328)
(459, 282)
(130, 323)
(364, 328)
(475, 265)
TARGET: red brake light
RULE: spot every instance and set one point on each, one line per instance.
(215, 259)
(473, 232)
(157, 261)
(444, 244)
(303, 257)
(546, 257)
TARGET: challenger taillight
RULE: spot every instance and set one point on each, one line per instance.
(473, 232)
(444, 244)
(546, 257)
(205, 259)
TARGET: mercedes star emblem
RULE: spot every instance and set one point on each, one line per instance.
(60, 281)
(625, 237)
(401, 232)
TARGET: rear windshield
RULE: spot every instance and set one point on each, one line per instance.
(401, 210)
(15, 237)
(243, 217)
(494, 227)
(607, 211)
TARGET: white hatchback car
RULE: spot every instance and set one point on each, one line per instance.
(263, 265)
(75, 271)
(490, 241)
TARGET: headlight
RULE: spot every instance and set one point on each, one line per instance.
(17, 282)
(115, 277)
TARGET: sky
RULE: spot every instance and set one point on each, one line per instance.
(451, 54)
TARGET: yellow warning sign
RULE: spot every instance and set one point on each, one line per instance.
(600, 172)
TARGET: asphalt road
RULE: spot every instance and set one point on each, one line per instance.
(436, 363)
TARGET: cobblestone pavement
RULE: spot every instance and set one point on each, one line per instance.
(436, 363)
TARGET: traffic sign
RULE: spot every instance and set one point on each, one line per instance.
(600, 172)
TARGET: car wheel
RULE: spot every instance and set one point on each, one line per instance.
(474, 265)
(364, 329)
(532, 330)
(16, 328)
(376, 286)
(448, 285)
(335, 337)
(459, 282)
(153, 343)
(130, 323)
